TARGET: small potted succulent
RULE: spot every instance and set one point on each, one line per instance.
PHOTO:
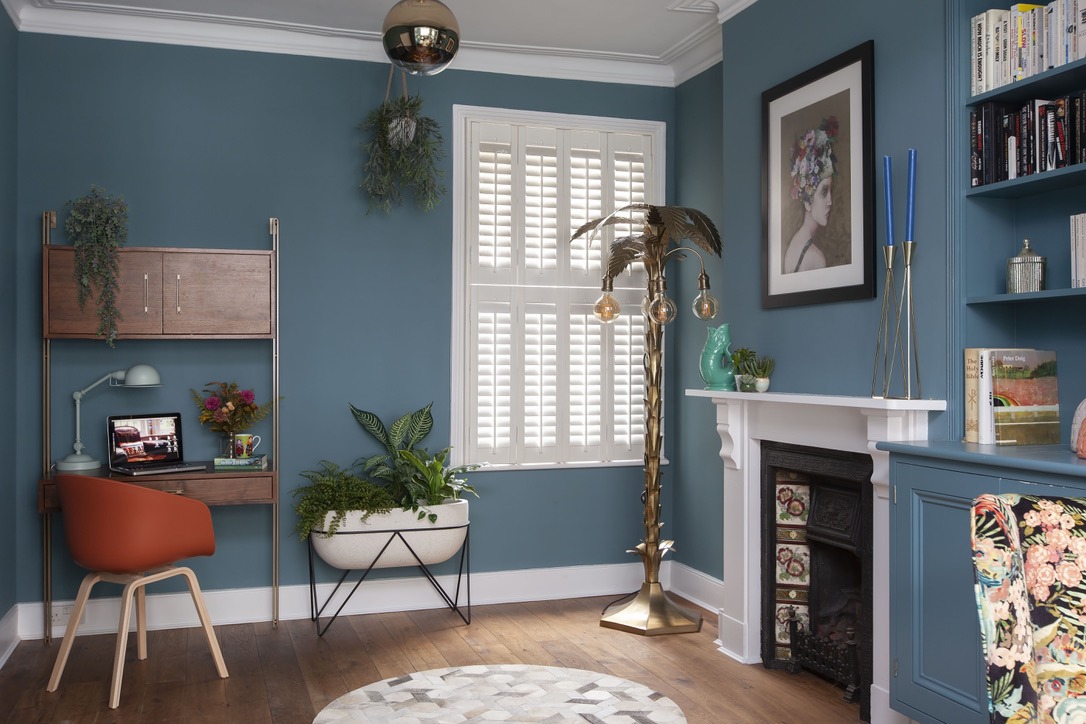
(742, 358)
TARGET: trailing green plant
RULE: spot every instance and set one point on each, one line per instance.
(433, 482)
(402, 154)
(97, 225)
(333, 489)
(404, 434)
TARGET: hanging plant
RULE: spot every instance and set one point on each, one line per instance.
(402, 154)
(97, 225)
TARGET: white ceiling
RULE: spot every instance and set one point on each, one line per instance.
(647, 42)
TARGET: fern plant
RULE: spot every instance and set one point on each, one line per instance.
(97, 225)
(402, 155)
(336, 490)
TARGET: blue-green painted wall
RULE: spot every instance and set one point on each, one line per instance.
(697, 493)
(830, 348)
(8, 416)
(205, 145)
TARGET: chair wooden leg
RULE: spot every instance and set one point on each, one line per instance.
(141, 623)
(122, 642)
(69, 635)
(201, 610)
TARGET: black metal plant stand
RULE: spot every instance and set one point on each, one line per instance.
(453, 602)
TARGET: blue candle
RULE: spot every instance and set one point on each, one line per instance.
(909, 199)
(889, 201)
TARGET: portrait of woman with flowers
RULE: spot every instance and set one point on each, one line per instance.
(226, 408)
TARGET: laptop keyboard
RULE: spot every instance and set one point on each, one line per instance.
(159, 470)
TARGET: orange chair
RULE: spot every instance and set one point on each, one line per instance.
(131, 535)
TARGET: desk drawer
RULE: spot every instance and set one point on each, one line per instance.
(211, 488)
(221, 491)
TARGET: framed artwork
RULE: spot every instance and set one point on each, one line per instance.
(818, 215)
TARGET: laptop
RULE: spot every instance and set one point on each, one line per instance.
(147, 444)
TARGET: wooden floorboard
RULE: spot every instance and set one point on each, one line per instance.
(287, 674)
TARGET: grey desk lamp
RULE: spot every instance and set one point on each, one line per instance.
(140, 375)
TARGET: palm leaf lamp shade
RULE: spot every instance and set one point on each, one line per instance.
(420, 36)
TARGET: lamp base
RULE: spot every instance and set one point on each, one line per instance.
(652, 613)
(73, 462)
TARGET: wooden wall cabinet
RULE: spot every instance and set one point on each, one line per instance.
(168, 293)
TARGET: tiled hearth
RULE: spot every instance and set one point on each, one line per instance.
(852, 424)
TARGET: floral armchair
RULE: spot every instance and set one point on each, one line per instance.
(1029, 554)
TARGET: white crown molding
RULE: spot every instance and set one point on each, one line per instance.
(249, 605)
(732, 9)
(65, 17)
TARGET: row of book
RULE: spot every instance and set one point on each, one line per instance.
(1078, 251)
(1011, 396)
(256, 462)
(1008, 141)
(1025, 39)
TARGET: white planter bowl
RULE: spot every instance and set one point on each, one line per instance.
(356, 544)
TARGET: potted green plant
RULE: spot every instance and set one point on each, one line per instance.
(761, 368)
(97, 225)
(434, 483)
(402, 154)
(742, 358)
(426, 516)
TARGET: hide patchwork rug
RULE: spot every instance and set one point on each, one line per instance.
(504, 693)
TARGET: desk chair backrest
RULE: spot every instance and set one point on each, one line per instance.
(124, 528)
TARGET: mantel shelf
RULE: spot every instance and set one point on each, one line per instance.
(790, 398)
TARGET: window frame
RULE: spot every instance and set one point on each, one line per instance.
(463, 116)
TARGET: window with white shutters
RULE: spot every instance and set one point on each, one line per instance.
(537, 379)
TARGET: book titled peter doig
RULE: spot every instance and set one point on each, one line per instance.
(980, 415)
(1025, 397)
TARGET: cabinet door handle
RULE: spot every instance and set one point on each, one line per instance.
(177, 293)
(145, 283)
(175, 491)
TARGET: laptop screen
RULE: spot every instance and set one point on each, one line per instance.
(136, 440)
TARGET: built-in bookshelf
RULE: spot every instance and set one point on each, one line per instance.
(989, 223)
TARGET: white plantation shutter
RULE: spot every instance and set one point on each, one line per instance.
(540, 380)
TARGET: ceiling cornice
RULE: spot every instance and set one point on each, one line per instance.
(682, 61)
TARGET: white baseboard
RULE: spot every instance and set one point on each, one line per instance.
(9, 634)
(247, 605)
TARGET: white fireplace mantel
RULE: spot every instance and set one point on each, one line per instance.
(832, 422)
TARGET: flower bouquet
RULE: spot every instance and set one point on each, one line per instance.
(226, 408)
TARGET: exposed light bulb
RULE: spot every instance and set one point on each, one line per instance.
(705, 305)
(662, 310)
(607, 308)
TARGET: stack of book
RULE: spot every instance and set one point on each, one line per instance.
(1026, 39)
(256, 462)
(1011, 397)
(1078, 250)
(1008, 141)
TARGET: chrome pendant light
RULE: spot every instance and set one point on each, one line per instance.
(421, 36)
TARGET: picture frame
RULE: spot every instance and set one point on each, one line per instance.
(818, 216)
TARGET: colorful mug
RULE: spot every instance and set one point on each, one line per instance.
(244, 444)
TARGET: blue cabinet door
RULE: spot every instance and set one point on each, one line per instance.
(936, 662)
